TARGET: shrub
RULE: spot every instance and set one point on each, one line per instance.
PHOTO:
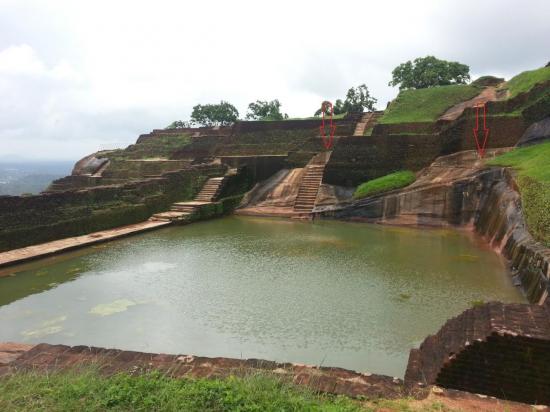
(385, 183)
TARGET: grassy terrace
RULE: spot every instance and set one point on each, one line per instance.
(426, 105)
(531, 163)
(88, 391)
(385, 183)
(525, 81)
(158, 147)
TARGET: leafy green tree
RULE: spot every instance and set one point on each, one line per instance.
(357, 100)
(178, 124)
(221, 114)
(428, 72)
(262, 110)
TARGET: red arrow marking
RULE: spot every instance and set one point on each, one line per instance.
(327, 142)
(481, 147)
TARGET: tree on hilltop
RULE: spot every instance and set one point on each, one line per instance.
(357, 100)
(178, 124)
(221, 114)
(262, 110)
(429, 71)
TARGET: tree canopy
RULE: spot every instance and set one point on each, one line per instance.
(263, 110)
(357, 100)
(429, 71)
(221, 114)
(178, 124)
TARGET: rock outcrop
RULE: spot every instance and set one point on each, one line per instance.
(536, 133)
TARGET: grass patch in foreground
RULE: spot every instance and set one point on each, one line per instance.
(426, 105)
(525, 81)
(533, 166)
(385, 183)
(86, 390)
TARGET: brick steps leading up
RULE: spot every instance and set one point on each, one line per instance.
(310, 183)
(182, 211)
(368, 120)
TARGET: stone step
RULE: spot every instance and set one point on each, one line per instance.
(183, 209)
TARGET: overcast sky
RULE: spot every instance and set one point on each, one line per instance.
(79, 76)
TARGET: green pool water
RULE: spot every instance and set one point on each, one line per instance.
(337, 294)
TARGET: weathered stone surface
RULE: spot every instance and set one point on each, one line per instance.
(496, 349)
(9, 351)
(30, 220)
(88, 165)
(44, 357)
(536, 133)
(16, 256)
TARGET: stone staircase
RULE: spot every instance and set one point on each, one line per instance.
(310, 184)
(210, 190)
(182, 211)
(368, 120)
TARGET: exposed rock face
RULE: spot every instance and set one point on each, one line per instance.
(495, 349)
(500, 220)
(459, 190)
(536, 133)
(10, 351)
(88, 165)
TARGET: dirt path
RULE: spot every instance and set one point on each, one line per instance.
(489, 94)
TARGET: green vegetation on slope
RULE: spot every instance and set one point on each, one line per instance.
(161, 146)
(533, 166)
(525, 81)
(426, 105)
(383, 184)
(88, 391)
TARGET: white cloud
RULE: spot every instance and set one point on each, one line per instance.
(77, 76)
(20, 60)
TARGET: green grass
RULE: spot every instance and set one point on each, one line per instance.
(157, 147)
(533, 166)
(383, 184)
(88, 391)
(525, 81)
(426, 105)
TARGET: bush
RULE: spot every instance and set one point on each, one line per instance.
(385, 183)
